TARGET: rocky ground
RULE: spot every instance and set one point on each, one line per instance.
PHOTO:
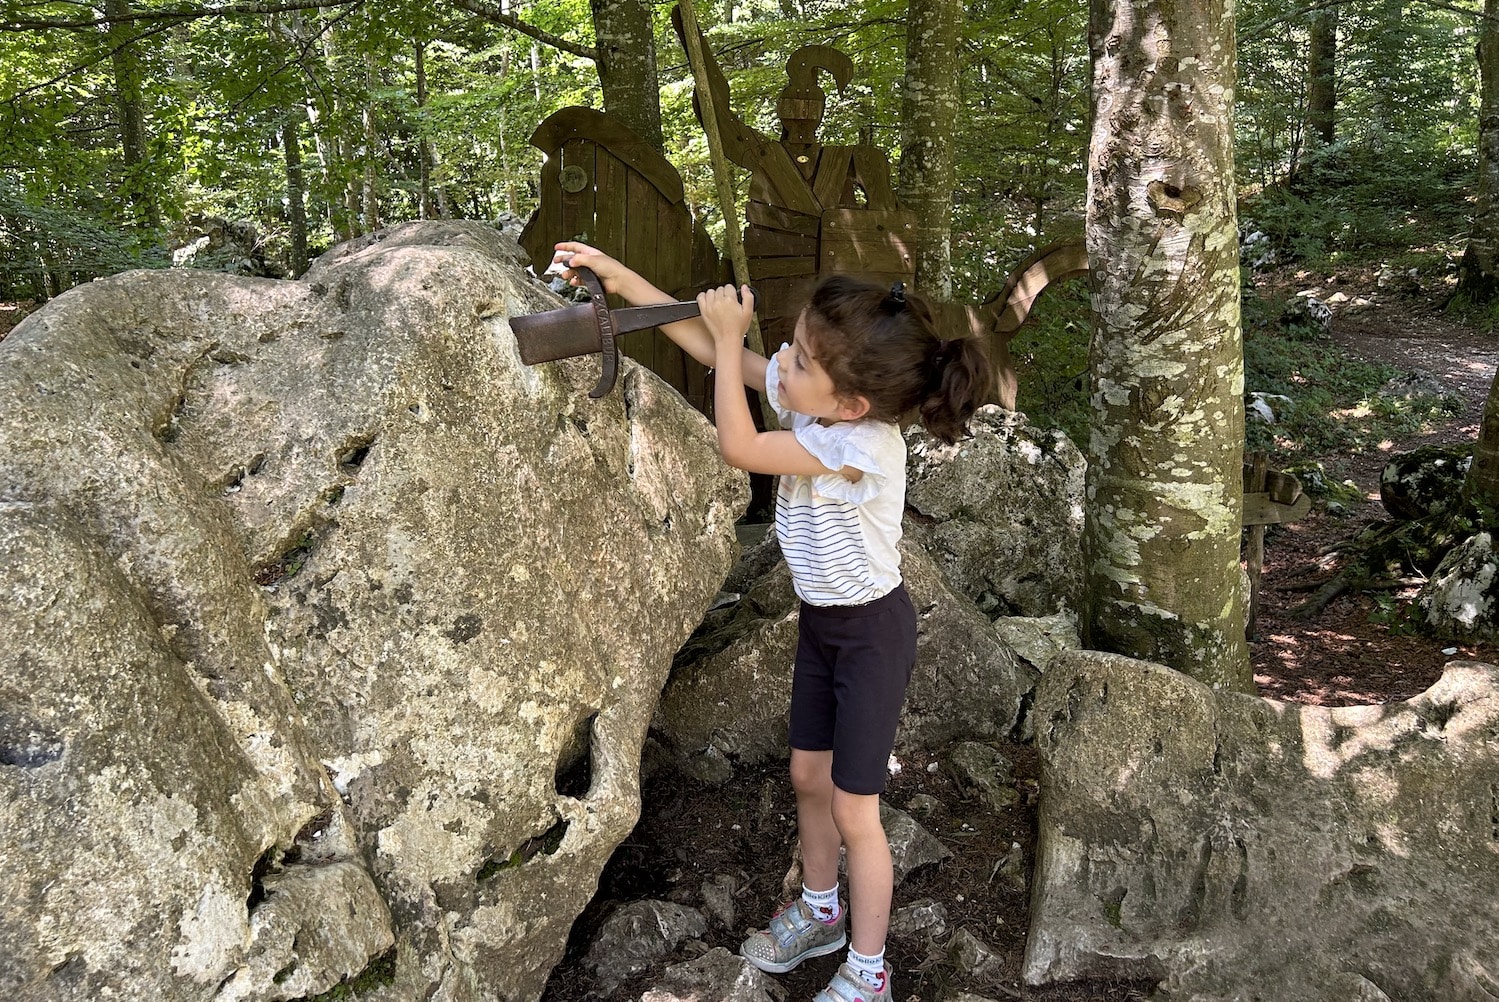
(1355, 651)
(741, 835)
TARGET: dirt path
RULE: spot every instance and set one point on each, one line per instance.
(1357, 650)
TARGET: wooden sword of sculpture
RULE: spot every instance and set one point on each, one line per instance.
(591, 329)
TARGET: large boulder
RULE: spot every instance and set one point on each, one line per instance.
(1001, 512)
(334, 630)
(1425, 481)
(729, 693)
(1242, 848)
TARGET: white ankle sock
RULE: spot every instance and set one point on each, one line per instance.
(824, 904)
(870, 968)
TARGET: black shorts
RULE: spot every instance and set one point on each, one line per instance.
(853, 663)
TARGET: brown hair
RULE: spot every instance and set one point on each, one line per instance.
(883, 345)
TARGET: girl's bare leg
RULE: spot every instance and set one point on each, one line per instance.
(812, 779)
(871, 876)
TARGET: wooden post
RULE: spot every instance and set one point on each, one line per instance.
(693, 40)
(1270, 498)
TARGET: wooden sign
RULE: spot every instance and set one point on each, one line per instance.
(1270, 498)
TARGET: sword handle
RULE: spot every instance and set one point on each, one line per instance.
(607, 345)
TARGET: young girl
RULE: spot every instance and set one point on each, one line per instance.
(861, 357)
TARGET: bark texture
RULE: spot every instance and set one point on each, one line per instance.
(627, 66)
(1322, 90)
(296, 194)
(1477, 278)
(125, 60)
(1482, 483)
(1164, 496)
(929, 109)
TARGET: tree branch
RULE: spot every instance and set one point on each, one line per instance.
(253, 7)
(497, 16)
(173, 14)
(1317, 5)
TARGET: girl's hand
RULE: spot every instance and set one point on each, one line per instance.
(571, 255)
(727, 313)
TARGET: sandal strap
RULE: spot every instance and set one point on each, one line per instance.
(840, 989)
(784, 926)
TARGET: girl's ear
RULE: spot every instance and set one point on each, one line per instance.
(852, 408)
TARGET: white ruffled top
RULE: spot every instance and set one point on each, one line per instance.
(839, 536)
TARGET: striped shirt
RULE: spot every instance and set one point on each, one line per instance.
(839, 537)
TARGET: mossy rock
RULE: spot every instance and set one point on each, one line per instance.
(1425, 482)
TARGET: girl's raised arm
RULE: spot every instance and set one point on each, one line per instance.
(691, 336)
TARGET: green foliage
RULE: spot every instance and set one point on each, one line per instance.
(1050, 357)
(1358, 207)
(217, 91)
(1400, 617)
(46, 249)
(1337, 406)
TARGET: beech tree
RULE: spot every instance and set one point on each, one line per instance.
(929, 111)
(1164, 495)
(1478, 273)
(1322, 82)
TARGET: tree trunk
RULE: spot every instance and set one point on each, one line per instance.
(130, 111)
(1478, 274)
(296, 194)
(627, 66)
(1322, 91)
(423, 147)
(369, 196)
(1164, 494)
(1482, 483)
(929, 111)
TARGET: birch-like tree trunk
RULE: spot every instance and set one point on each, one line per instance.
(929, 112)
(1164, 494)
(1478, 274)
(626, 44)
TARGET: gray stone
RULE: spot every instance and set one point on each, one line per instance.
(636, 936)
(984, 773)
(324, 554)
(1011, 871)
(1001, 513)
(969, 955)
(911, 845)
(295, 950)
(1270, 408)
(925, 919)
(730, 689)
(1426, 481)
(1460, 597)
(1038, 639)
(716, 976)
(1222, 841)
(718, 894)
(923, 805)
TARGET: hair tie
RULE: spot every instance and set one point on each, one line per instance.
(898, 295)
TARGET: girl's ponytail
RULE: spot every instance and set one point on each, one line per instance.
(964, 380)
(884, 346)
